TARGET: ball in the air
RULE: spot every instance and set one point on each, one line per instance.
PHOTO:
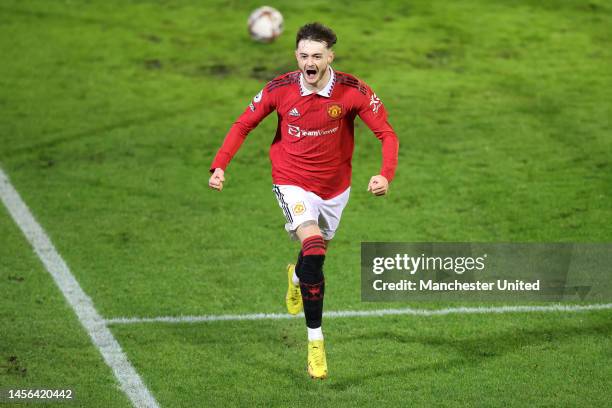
(265, 24)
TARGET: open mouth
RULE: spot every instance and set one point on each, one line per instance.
(311, 74)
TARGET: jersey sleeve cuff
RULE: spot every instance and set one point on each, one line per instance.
(388, 174)
(220, 162)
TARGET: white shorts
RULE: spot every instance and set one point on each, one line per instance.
(299, 206)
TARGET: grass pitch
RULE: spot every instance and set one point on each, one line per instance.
(111, 113)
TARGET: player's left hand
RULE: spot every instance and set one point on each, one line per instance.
(379, 185)
(217, 179)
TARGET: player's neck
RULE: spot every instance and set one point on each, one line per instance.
(321, 83)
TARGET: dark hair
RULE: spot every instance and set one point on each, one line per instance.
(316, 32)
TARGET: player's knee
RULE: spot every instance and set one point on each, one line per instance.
(311, 263)
(307, 224)
(307, 229)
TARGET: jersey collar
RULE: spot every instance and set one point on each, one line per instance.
(326, 92)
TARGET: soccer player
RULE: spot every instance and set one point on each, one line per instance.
(311, 163)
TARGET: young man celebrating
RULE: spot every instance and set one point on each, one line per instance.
(311, 163)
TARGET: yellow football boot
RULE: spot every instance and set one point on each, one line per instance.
(317, 363)
(293, 299)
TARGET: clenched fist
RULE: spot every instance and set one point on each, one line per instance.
(379, 185)
(217, 179)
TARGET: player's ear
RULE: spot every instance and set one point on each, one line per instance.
(330, 57)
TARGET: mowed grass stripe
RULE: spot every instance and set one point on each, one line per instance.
(503, 112)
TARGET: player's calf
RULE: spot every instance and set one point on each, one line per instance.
(312, 281)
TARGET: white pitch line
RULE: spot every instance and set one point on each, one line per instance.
(94, 324)
(364, 313)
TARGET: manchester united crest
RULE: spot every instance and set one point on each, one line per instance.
(299, 208)
(334, 110)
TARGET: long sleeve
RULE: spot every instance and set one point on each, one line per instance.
(374, 114)
(258, 109)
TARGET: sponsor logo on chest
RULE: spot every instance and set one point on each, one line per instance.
(297, 132)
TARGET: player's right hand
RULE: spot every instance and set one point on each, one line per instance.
(217, 179)
(379, 185)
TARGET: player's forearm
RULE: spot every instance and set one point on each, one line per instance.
(378, 124)
(390, 150)
(231, 144)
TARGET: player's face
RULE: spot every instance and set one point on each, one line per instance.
(313, 58)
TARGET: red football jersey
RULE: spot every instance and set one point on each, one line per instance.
(313, 146)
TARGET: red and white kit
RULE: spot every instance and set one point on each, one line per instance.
(313, 146)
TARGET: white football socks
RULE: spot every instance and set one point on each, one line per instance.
(295, 279)
(315, 334)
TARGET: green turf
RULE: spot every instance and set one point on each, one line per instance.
(42, 343)
(110, 113)
(551, 360)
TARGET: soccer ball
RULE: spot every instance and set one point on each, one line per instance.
(265, 24)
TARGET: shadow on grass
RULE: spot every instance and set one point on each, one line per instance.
(468, 351)
(273, 352)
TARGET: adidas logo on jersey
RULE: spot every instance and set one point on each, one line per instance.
(294, 112)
